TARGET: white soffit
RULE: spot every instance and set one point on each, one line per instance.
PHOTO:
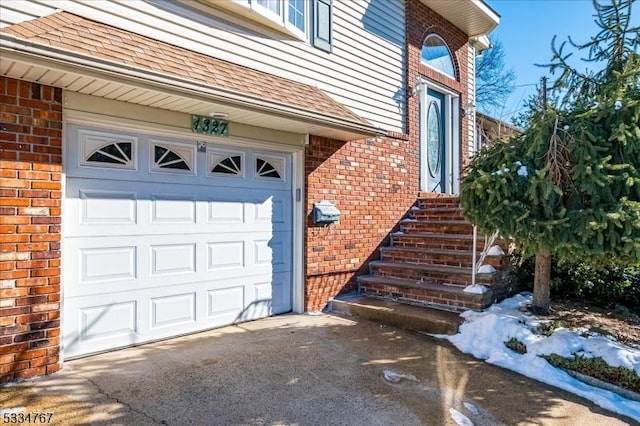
(474, 17)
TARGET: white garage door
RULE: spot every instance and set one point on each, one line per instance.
(165, 237)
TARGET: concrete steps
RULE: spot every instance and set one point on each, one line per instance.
(400, 315)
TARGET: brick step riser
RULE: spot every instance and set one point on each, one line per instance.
(429, 215)
(427, 205)
(461, 259)
(426, 275)
(430, 298)
(463, 228)
(434, 243)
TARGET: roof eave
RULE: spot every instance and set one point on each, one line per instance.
(476, 20)
(12, 47)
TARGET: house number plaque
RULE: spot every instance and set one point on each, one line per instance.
(209, 126)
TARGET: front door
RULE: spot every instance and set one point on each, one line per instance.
(433, 149)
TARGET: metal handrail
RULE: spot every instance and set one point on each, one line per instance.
(488, 244)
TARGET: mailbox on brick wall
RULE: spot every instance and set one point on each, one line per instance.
(325, 213)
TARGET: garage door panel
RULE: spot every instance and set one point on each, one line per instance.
(117, 263)
(176, 309)
(151, 254)
(281, 292)
(108, 321)
(172, 259)
(125, 318)
(101, 265)
(173, 209)
(102, 208)
(225, 305)
(225, 255)
(92, 327)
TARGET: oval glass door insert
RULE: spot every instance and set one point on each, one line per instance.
(433, 139)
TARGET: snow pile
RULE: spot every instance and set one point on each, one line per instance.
(475, 289)
(483, 335)
(522, 170)
(495, 251)
(486, 269)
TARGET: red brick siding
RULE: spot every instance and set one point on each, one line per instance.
(30, 207)
(373, 182)
(422, 21)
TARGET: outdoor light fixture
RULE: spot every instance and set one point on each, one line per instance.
(218, 115)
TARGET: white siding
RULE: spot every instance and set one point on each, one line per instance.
(471, 107)
(15, 11)
(365, 70)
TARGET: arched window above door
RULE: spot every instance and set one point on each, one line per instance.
(436, 54)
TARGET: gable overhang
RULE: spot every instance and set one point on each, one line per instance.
(475, 17)
(74, 71)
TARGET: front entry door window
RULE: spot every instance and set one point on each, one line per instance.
(435, 142)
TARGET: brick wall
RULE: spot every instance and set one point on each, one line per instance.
(30, 203)
(373, 183)
(422, 21)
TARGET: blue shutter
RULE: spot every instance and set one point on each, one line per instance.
(322, 23)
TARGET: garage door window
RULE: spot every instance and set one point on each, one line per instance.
(107, 150)
(226, 163)
(172, 158)
(229, 166)
(270, 168)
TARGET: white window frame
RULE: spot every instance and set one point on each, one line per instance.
(282, 19)
(307, 20)
(453, 62)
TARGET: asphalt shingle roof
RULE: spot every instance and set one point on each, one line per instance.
(73, 33)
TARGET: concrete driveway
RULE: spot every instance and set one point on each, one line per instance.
(296, 369)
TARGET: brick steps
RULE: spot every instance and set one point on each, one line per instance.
(439, 202)
(436, 241)
(441, 213)
(437, 226)
(447, 297)
(430, 261)
(441, 274)
(459, 258)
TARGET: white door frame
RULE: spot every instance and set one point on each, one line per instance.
(451, 164)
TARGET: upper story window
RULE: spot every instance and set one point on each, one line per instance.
(271, 5)
(310, 20)
(290, 14)
(297, 14)
(436, 54)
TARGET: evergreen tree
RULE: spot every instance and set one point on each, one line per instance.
(569, 184)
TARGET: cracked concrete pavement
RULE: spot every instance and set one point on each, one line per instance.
(296, 370)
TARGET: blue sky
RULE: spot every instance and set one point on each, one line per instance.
(526, 29)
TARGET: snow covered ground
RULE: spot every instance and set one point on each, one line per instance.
(483, 335)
